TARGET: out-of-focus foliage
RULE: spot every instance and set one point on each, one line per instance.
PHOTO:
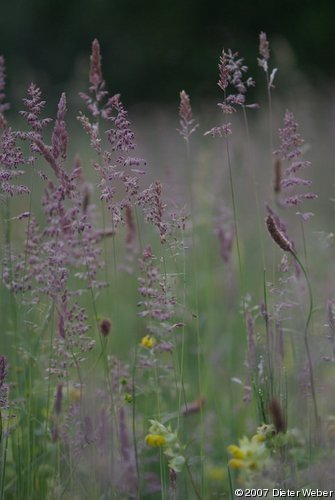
(153, 49)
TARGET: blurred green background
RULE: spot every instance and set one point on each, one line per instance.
(152, 49)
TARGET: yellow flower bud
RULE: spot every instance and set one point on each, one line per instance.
(258, 438)
(155, 440)
(148, 341)
(236, 451)
(236, 463)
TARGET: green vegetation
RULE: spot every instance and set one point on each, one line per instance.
(168, 338)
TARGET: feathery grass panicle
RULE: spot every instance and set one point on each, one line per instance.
(87, 419)
(263, 61)
(115, 166)
(4, 106)
(12, 157)
(188, 124)
(95, 76)
(231, 72)
(290, 151)
(221, 131)
(59, 135)
(4, 387)
(264, 46)
(223, 71)
(35, 105)
(157, 301)
(150, 200)
(97, 87)
(55, 153)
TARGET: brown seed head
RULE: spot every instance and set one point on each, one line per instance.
(277, 235)
(193, 407)
(105, 327)
(278, 417)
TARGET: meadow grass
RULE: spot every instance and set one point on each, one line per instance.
(168, 324)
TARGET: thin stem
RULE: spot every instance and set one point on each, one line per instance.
(198, 336)
(270, 111)
(306, 338)
(3, 458)
(255, 185)
(269, 340)
(234, 210)
(304, 244)
(134, 423)
(194, 486)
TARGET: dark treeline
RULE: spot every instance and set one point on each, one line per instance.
(152, 48)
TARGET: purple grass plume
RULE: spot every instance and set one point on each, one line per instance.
(4, 106)
(188, 124)
(263, 61)
(231, 74)
(290, 151)
(4, 388)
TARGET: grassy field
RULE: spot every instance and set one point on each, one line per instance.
(168, 307)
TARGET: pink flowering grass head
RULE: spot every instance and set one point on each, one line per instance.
(231, 76)
(290, 152)
(188, 124)
(95, 76)
(4, 106)
(263, 61)
(264, 46)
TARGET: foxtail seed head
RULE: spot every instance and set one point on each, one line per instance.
(277, 235)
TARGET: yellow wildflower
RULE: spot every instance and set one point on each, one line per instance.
(266, 430)
(258, 438)
(236, 451)
(251, 453)
(236, 463)
(155, 440)
(163, 436)
(148, 341)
